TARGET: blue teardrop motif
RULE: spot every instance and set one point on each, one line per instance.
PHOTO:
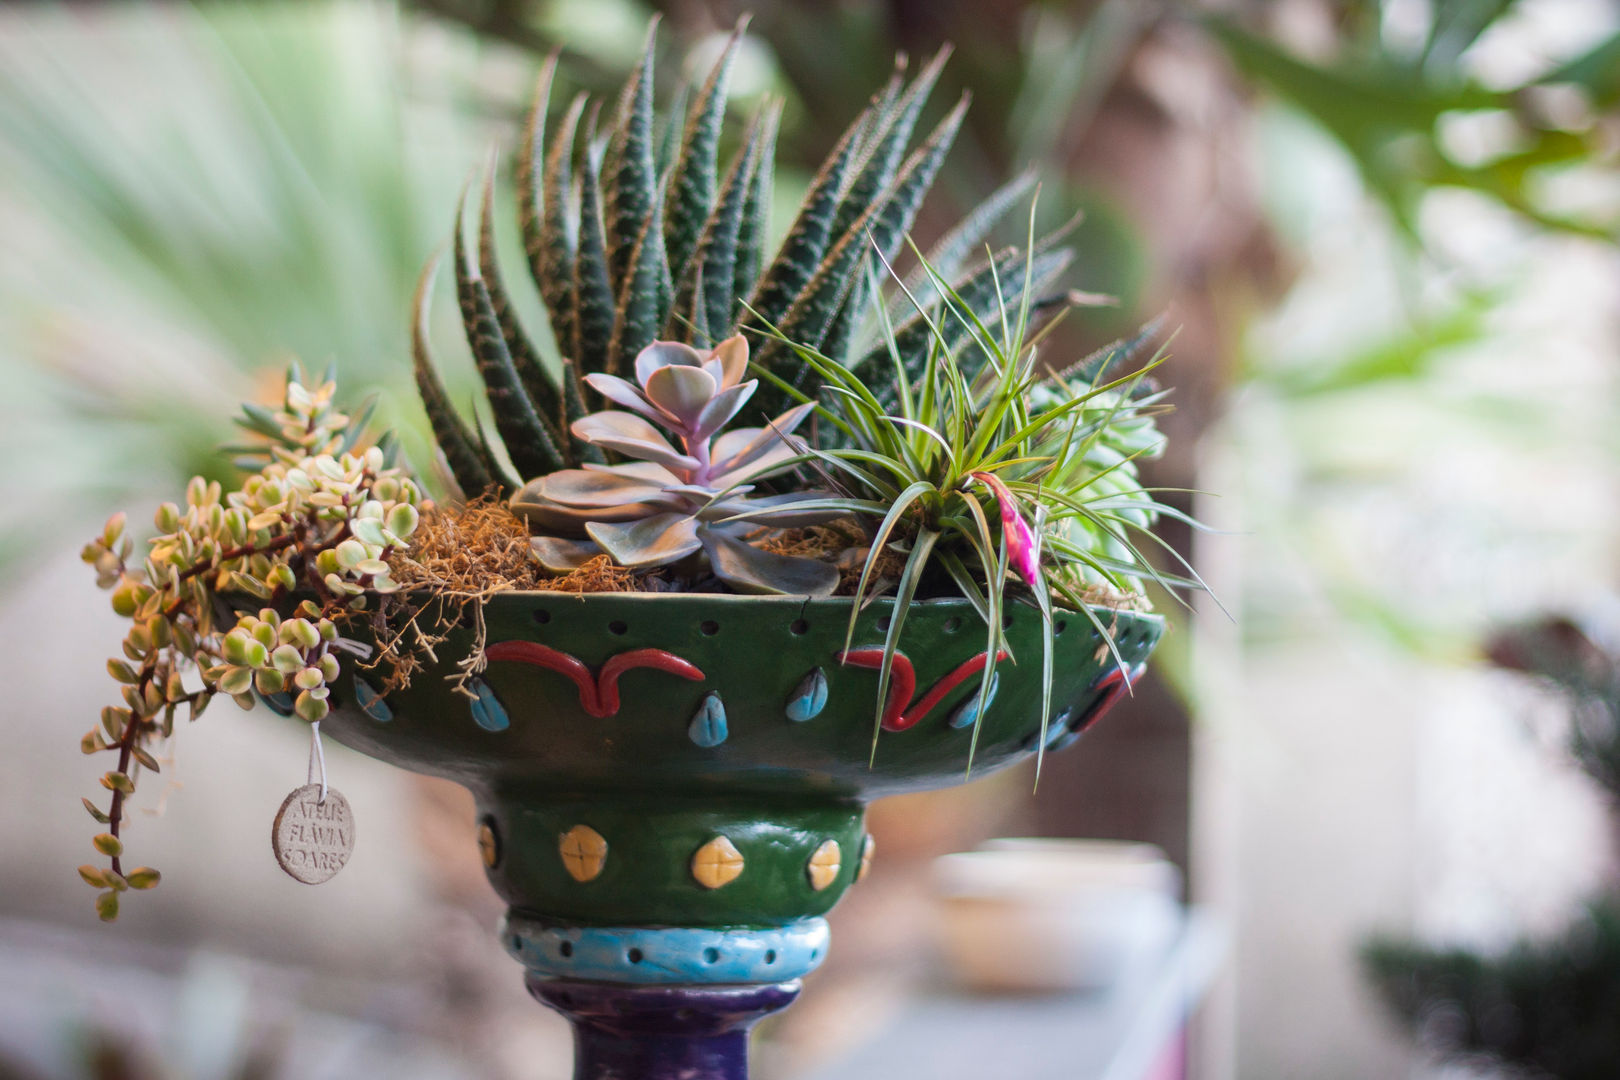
(487, 710)
(709, 722)
(810, 697)
(371, 703)
(968, 712)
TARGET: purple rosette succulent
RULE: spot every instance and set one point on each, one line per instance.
(678, 500)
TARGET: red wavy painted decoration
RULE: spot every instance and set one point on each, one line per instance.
(598, 691)
(901, 712)
(1114, 686)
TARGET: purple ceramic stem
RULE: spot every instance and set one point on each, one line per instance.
(661, 1032)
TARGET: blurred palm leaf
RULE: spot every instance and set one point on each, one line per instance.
(188, 195)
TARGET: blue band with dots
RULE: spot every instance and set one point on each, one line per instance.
(667, 955)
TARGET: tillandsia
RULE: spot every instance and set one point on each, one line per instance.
(307, 536)
(981, 430)
(636, 230)
(672, 505)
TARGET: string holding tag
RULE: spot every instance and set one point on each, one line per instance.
(313, 833)
(317, 755)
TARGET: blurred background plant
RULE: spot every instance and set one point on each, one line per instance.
(1384, 229)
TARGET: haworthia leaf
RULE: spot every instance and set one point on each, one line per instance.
(575, 408)
(529, 174)
(669, 137)
(529, 444)
(896, 210)
(472, 473)
(957, 245)
(593, 286)
(695, 175)
(756, 216)
(715, 259)
(554, 270)
(532, 375)
(631, 178)
(806, 323)
(811, 233)
(642, 298)
(503, 475)
(882, 151)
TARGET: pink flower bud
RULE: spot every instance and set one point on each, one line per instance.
(1023, 545)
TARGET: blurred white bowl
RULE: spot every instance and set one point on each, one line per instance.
(1026, 916)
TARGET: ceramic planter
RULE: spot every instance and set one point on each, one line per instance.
(671, 787)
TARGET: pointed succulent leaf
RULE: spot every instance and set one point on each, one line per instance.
(529, 169)
(643, 298)
(743, 447)
(632, 180)
(748, 569)
(593, 288)
(882, 151)
(672, 130)
(756, 215)
(959, 244)
(693, 179)
(471, 471)
(653, 541)
(574, 408)
(531, 446)
(728, 361)
(808, 239)
(621, 392)
(536, 380)
(553, 261)
(710, 273)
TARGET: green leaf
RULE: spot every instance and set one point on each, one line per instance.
(529, 443)
(695, 174)
(532, 375)
(553, 263)
(881, 151)
(808, 239)
(632, 179)
(753, 229)
(715, 261)
(593, 286)
(641, 310)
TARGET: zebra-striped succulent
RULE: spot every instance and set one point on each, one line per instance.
(634, 233)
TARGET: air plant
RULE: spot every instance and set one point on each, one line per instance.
(671, 502)
(978, 431)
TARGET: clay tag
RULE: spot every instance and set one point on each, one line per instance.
(313, 839)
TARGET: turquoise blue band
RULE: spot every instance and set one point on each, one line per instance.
(667, 955)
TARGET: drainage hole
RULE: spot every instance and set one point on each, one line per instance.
(1062, 625)
(617, 627)
(798, 626)
(770, 956)
(634, 956)
(541, 616)
(708, 628)
(882, 625)
(953, 624)
(566, 948)
(711, 956)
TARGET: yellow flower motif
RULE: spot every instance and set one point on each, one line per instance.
(824, 865)
(868, 845)
(717, 863)
(584, 852)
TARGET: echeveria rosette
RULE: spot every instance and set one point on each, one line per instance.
(679, 498)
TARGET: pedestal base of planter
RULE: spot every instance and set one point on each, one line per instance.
(661, 1032)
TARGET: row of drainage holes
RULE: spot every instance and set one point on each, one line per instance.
(711, 955)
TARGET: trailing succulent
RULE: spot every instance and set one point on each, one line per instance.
(670, 503)
(307, 536)
(637, 238)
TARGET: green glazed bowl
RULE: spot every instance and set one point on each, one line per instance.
(700, 760)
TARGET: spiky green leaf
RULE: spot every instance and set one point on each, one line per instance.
(472, 473)
(632, 178)
(695, 174)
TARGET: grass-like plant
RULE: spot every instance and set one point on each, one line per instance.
(978, 429)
